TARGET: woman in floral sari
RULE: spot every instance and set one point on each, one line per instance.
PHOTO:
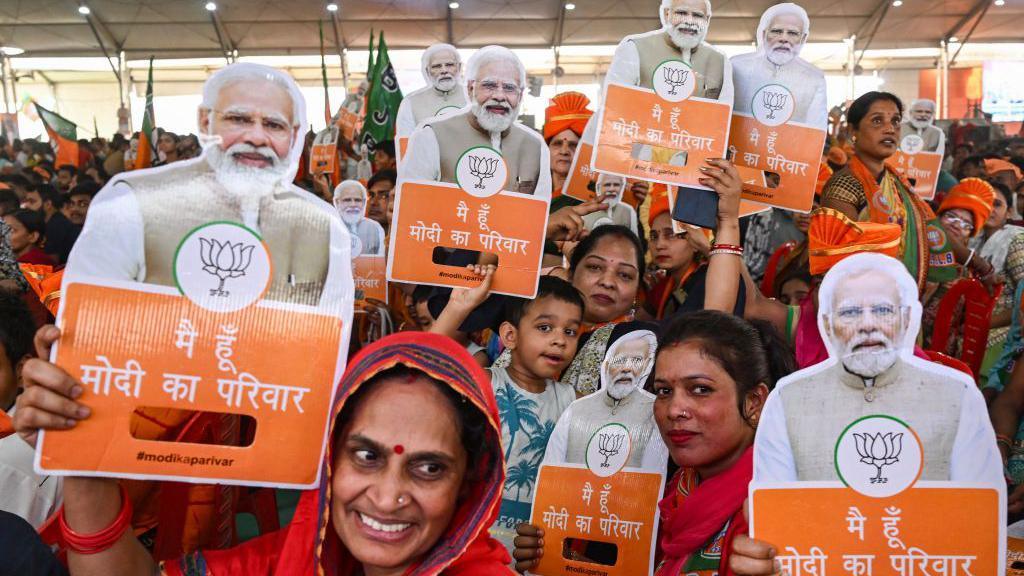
(411, 499)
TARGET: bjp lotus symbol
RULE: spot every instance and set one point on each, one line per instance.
(224, 260)
(674, 77)
(483, 168)
(879, 450)
(609, 445)
(773, 101)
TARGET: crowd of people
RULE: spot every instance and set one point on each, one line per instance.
(438, 431)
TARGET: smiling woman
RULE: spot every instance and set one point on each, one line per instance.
(409, 499)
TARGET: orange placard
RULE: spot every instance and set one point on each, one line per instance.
(922, 169)
(579, 184)
(369, 274)
(323, 155)
(790, 150)
(932, 528)
(621, 510)
(348, 122)
(403, 147)
(646, 137)
(435, 215)
(151, 347)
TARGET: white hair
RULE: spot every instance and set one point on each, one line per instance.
(930, 104)
(603, 177)
(494, 53)
(242, 71)
(652, 348)
(430, 52)
(667, 5)
(777, 10)
(878, 265)
(350, 184)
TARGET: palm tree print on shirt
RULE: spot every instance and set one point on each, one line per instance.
(517, 413)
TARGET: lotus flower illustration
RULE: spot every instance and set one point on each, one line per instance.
(609, 445)
(224, 260)
(879, 450)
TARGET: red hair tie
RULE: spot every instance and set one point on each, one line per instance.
(102, 540)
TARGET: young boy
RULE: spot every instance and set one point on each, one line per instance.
(541, 335)
(22, 491)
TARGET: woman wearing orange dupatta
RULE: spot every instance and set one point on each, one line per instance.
(414, 499)
(679, 256)
(867, 189)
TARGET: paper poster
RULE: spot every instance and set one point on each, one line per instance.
(581, 180)
(821, 529)
(433, 220)
(369, 274)
(199, 316)
(787, 152)
(597, 524)
(922, 169)
(661, 136)
(323, 156)
(349, 123)
(875, 460)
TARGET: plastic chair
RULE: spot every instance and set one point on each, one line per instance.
(977, 306)
(949, 362)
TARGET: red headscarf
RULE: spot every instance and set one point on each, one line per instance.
(309, 545)
(568, 111)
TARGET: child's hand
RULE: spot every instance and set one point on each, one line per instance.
(469, 298)
(529, 546)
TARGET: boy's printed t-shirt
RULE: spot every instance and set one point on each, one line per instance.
(527, 420)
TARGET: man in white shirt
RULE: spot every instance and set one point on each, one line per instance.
(350, 200)
(681, 37)
(444, 92)
(781, 35)
(869, 316)
(622, 400)
(251, 116)
(920, 121)
(495, 80)
(609, 191)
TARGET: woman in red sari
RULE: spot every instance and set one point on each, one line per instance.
(414, 498)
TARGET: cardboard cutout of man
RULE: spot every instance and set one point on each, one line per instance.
(442, 70)
(367, 235)
(250, 119)
(609, 190)
(681, 37)
(920, 120)
(494, 82)
(622, 400)
(869, 316)
(781, 35)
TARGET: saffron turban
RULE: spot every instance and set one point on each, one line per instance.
(659, 205)
(996, 165)
(974, 195)
(568, 111)
(832, 236)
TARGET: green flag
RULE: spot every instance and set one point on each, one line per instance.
(147, 152)
(63, 135)
(382, 105)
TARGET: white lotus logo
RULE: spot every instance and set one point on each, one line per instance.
(879, 450)
(224, 260)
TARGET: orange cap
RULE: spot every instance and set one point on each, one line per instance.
(974, 195)
(832, 236)
(568, 111)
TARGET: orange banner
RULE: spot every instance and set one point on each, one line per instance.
(579, 184)
(178, 355)
(936, 529)
(349, 123)
(369, 274)
(323, 155)
(646, 137)
(922, 169)
(613, 521)
(788, 154)
(432, 218)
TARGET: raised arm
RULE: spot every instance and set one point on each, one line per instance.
(463, 301)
